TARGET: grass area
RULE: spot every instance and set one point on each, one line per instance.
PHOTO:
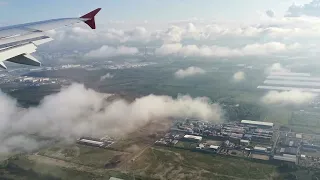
(170, 163)
(308, 119)
(187, 145)
(303, 129)
(278, 115)
(22, 168)
(86, 155)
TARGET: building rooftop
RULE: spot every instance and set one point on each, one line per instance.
(257, 123)
(214, 147)
(91, 141)
(244, 141)
(257, 148)
(193, 137)
(285, 158)
(113, 178)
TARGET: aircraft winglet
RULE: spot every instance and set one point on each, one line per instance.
(90, 16)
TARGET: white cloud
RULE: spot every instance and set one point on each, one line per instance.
(199, 37)
(239, 76)
(172, 35)
(190, 71)
(168, 49)
(288, 97)
(107, 51)
(276, 67)
(106, 76)
(77, 111)
(217, 51)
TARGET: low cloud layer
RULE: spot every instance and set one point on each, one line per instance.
(106, 76)
(217, 51)
(77, 111)
(293, 97)
(190, 71)
(107, 51)
(239, 76)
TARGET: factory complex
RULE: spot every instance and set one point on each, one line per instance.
(248, 139)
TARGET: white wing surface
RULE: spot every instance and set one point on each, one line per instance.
(17, 42)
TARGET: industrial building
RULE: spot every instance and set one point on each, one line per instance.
(91, 142)
(192, 138)
(259, 124)
(214, 148)
(244, 142)
(286, 157)
(289, 150)
(261, 139)
(292, 142)
(259, 150)
(310, 148)
(113, 178)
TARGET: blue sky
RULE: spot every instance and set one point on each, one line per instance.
(17, 11)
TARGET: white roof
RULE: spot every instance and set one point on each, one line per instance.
(260, 148)
(285, 158)
(257, 123)
(299, 136)
(193, 137)
(214, 147)
(113, 178)
(91, 141)
(245, 141)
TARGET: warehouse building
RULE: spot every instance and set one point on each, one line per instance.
(244, 142)
(259, 124)
(192, 138)
(257, 138)
(311, 146)
(289, 150)
(214, 147)
(286, 158)
(258, 149)
(113, 178)
(91, 142)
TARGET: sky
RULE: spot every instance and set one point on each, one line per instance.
(201, 28)
(139, 10)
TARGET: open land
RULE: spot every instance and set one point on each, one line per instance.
(135, 155)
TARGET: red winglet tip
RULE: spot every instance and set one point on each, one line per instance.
(91, 16)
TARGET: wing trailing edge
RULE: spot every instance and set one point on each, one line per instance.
(26, 59)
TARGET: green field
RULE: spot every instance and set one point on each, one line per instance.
(279, 115)
(42, 168)
(83, 155)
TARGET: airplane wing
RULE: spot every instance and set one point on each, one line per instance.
(17, 42)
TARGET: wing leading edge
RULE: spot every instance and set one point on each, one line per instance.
(17, 42)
